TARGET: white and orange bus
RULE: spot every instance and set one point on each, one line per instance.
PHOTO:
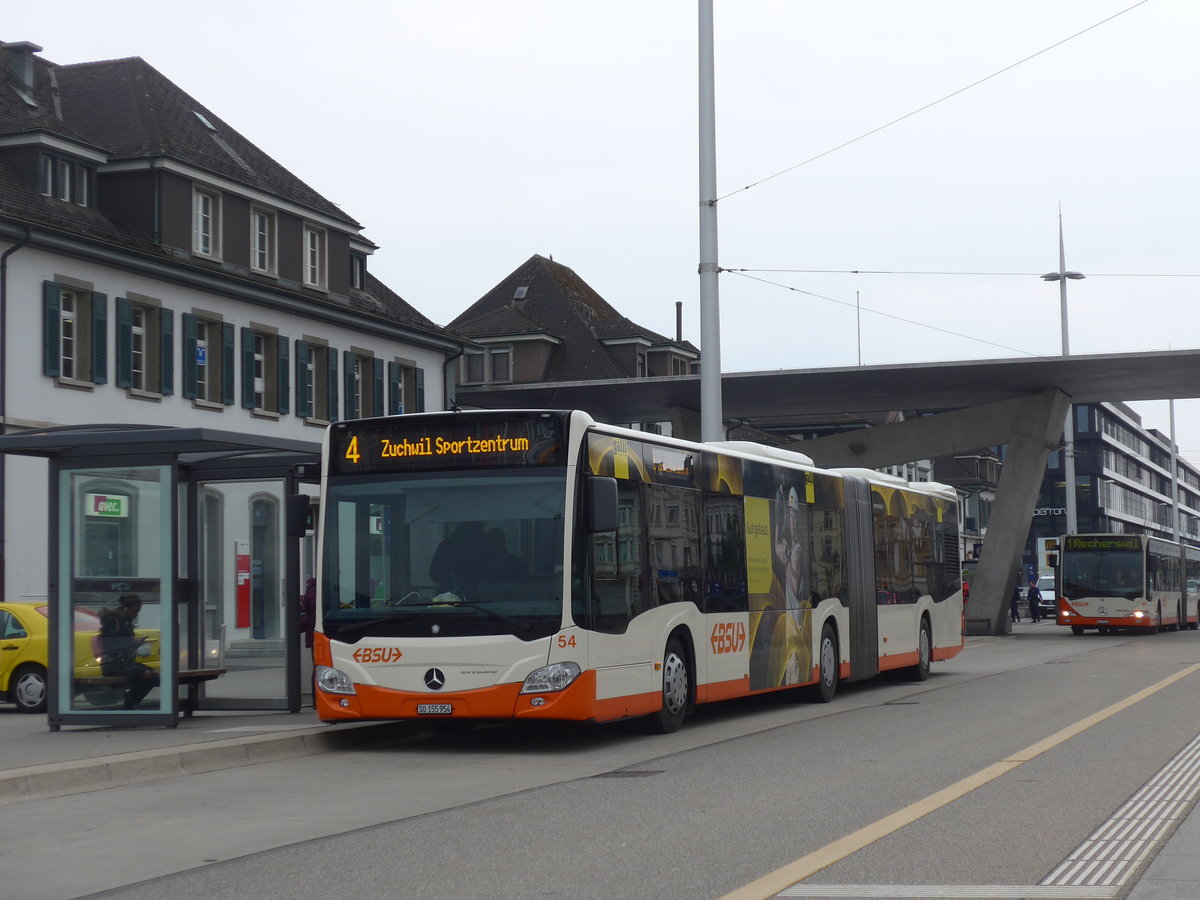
(1111, 581)
(540, 565)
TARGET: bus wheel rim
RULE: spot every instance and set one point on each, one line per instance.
(674, 683)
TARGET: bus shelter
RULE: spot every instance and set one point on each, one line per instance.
(176, 559)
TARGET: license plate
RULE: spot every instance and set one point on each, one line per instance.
(1102, 621)
(435, 709)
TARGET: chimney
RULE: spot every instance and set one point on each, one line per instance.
(679, 320)
(20, 60)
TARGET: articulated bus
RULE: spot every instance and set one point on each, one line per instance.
(1110, 581)
(540, 565)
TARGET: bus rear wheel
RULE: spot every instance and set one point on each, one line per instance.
(827, 662)
(676, 690)
(920, 672)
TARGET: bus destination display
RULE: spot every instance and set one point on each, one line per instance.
(1102, 542)
(404, 444)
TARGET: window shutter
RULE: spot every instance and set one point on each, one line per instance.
(331, 357)
(285, 369)
(348, 385)
(377, 407)
(248, 368)
(51, 324)
(303, 400)
(99, 338)
(420, 399)
(188, 354)
(227, 354)
(124, 342)
(166, 352)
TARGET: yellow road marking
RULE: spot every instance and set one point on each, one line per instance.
(806, 866)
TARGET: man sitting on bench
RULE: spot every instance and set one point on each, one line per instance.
(118, 649)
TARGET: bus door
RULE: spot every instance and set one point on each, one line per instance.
(864, 616)
(619, 650)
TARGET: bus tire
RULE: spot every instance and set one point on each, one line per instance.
(827, 665)
(1076, 629)
(920, 672)
(676, 690)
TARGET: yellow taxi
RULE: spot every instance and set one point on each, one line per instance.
(24, 652)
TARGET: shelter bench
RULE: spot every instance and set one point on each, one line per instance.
(189, 678)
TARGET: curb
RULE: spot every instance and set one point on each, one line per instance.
(81, 776)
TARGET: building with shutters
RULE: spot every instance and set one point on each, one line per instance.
(158, 268)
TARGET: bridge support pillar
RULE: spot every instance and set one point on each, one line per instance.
(1036, 429)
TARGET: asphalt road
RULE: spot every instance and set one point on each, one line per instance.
(744, 790)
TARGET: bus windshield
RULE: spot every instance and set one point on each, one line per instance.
(443, 555)
(1102, 573)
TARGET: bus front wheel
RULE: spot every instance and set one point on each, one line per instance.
(676, 690)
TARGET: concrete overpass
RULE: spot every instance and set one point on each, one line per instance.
(1018, 402)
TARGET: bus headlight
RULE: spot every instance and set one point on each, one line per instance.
(1138, 614)
(555, 677)
(333, 681)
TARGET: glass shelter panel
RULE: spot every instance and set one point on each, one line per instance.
(115, 627)
(241, 591)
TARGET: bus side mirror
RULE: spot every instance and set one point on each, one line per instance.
(297, 515)
(1052, 560)
(600, 504)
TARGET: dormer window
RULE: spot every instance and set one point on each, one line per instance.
(262, 241)
(314, 257)
(64, 179)
(206, 223)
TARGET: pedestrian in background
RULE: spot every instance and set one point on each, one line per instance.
(1035, 602)
(1015, 604)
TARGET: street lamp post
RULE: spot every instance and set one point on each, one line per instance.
(1062, 276)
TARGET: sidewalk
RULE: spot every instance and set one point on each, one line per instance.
(36, 762)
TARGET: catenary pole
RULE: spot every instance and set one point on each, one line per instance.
(712, 426)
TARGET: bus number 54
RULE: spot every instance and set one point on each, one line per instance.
(728, 637)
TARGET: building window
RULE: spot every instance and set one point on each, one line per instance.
(314, 257)
(208, 351)
(145, 333)
(75, 333)
(473, 367)
(262, 241)
(358, 271)
(406, 388)
(66, 180)
(316, 381)
(362, 380)
(641, 365)
(206, 223)
(48, 176)
(501, 358)
(265, 370)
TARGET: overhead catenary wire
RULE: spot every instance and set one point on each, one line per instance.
(788, 287)
(932, 104)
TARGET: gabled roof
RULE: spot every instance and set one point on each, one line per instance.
(557, 302)
(131, 109)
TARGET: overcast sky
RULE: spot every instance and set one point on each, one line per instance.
(467, 135)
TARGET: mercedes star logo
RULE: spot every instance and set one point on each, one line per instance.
(435, 680)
